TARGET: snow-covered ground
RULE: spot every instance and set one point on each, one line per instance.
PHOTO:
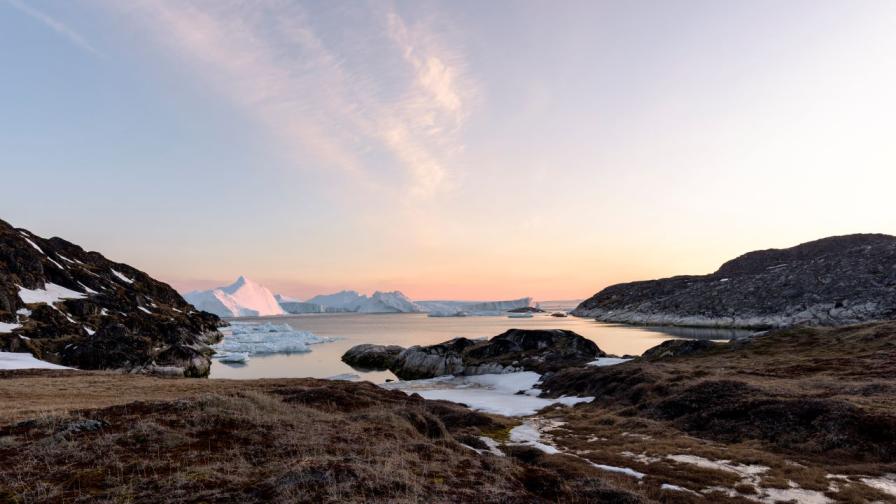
(51, 293)
(266, 338)
(14, 360)
(491, 393)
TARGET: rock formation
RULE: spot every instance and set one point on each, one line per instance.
(833, 281)
(76, 308)
(536, 350)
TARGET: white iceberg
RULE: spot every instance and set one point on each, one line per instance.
(233, 357)
(243, 298)
(267, 338)
(465, 308)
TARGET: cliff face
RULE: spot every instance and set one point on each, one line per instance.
(832, 281)
(77, 308)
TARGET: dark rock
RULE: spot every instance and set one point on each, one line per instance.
(371, 357)
(119, 317)
(834, 281)
(677, 348)
(536, 350)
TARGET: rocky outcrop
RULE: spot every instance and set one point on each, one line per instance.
(537, 350)
(834, 281)
(373, 357)
(678, 348)
(77, 308)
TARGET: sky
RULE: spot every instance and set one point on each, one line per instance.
(450, 150)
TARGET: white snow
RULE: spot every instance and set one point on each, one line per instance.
(491, 393)
(746, 471)
(144, 310)
(267, 338)
(51, 293)
(89, 331)
(676, 488)
(122, 277)
(623, 470)
(56, 263)
(66, 259)
(607, 361)
(243, 298)
(492, 445)
(529, 435)
(886, 484)
(6, 327)
(24, 312)
(88, 289)
(12, 360)
(33, 245)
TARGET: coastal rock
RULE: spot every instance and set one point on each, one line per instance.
(79, 309)
(372, 357)
(829, 282)
(536, 350)
(677, 348)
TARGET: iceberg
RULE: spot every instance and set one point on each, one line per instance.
(267, 338)
(243, 298)
(352, 301)
(464, 308)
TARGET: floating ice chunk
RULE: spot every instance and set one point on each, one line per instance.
(122, 277)
(6, 327)
(607, 361)
(268, 338)
(51, 293)
(233, 357)
(12, 360)
(344, 377)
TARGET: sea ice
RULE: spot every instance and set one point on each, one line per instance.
(267, 338)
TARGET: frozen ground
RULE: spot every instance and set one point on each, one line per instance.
(511, 394)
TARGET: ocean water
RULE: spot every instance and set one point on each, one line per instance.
(407, 329)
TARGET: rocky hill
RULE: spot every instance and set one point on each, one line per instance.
(77, 308)
(832, 281)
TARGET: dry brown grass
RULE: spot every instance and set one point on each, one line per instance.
(263, 441)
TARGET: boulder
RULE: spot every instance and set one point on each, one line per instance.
(536, 350)
(677, 348)
(371, 357)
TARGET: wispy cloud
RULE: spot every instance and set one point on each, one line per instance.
(366, 98)
(55, 25)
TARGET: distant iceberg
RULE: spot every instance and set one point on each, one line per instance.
(352, 301)
(267, 338)
(243, 298)
(464, 308)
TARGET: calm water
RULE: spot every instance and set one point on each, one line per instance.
(406, 329)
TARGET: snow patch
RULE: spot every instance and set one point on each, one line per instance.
(6, 327)
(89, 331)
(886, 484)
(33, 245)
(88, 289)
(12, 360)
(51, 293)
(528, 434)
(144, 310)
(122, 277)
(25, 312)
(622, 470)
(491, 393)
